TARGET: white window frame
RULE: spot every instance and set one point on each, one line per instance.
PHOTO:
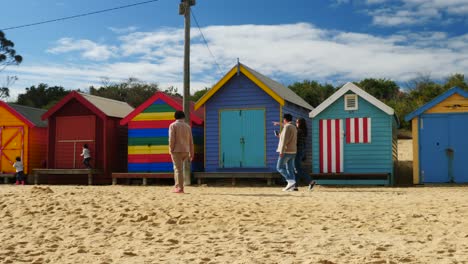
(346, 102)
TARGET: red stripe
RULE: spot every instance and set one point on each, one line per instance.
(348, 132)
(337, 144)
(321, 144)
(144, 158)
(364, 127)
(356, 130)
(150, 124)
(329, 146)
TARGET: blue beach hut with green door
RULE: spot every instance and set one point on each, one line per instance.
(239, 132)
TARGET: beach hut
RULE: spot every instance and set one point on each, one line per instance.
(440, 141)
(148, 129)
(80, 119)
(354, 139)
(22, 134)
(239, 133)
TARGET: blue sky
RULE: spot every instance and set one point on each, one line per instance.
(333, 41)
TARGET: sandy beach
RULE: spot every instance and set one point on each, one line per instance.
(136, 224)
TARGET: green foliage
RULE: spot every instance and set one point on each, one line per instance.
(382, 89)
(199, 94)
(132, 91)
(173, 91)
(41, 96)
(8, 54)
(312, 92)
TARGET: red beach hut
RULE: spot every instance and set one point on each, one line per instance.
(80, 119)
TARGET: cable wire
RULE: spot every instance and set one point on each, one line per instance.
(206, 43)
(80, 15)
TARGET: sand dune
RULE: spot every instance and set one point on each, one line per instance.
(132, 224)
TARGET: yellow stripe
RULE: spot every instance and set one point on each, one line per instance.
(415, 133)
(154, 116)
(156, 149)
(228, 76)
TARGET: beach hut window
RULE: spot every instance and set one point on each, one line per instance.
(351, 102)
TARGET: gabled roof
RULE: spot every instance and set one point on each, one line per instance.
(196, 116)
(355, 89)
(99, 105)
(276, 90)
(29, 115)
(436, 101)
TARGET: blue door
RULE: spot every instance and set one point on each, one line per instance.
(433, 149)
(458, 148)
(242, 134)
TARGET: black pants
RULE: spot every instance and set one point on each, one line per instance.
(20, 176)
(86, 163)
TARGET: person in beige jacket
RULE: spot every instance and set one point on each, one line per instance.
(287, 148)
(180, 148)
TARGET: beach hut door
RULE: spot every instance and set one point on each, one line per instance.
(331, 145)
(11, 146)
(242, 134)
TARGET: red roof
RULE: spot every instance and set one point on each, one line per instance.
(196, 117)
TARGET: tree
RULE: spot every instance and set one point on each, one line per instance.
(8, 54)
(456, 79)
(382, 89)
(198, 94)
(132, 91)
(42, 96)
(312, 92)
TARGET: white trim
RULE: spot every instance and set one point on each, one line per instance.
(361, 93)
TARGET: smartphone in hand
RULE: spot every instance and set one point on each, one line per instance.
(276, 133)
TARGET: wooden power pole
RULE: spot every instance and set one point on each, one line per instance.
(184, 9)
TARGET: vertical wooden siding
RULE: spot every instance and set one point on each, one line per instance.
(376, 157)
(239, 93)
(37, 148)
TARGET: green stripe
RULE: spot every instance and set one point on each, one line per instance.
(156, 141)
(158, 108)
(141, 141)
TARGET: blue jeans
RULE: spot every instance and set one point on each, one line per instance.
(285, 166)
(299, 171)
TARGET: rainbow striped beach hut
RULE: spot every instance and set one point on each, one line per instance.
(148, 128)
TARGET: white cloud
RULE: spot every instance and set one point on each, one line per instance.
(413, 12)
(283, 52)
(89, 49)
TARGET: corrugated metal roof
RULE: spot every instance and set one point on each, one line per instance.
(30, 113)
(109, 107)
(281, 90)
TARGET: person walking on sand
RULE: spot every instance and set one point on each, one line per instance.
(86, 154)
(301, 154)
(18, 165)
(287, 147)
(180, 148)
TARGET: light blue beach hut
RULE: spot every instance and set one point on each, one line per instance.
(354, 139)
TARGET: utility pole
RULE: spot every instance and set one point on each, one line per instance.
(184, 9)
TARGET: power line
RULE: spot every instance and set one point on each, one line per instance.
(80, 15)
(206, 43)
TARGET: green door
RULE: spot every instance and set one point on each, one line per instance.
(242, 139)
